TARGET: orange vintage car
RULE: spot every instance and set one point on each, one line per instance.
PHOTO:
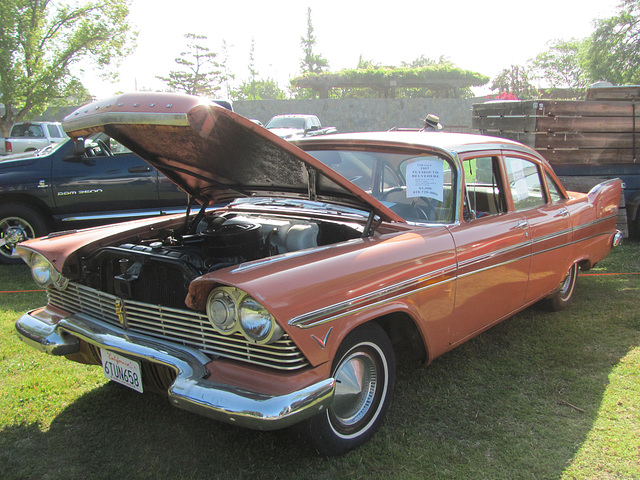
(308, 269)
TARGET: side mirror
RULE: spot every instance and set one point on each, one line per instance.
(78, 147)
(78, 154)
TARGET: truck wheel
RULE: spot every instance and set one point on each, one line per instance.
(18, 223)
(364, 370)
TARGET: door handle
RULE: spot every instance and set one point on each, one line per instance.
(563, 213)
(139, 169)
(522, 224)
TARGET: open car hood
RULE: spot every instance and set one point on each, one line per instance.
(214, 154)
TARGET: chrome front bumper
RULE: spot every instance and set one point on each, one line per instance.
(190, 391)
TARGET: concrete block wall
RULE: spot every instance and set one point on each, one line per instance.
(351, 115)
(367, 115)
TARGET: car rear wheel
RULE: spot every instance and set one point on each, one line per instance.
(17, 224)
(563, 296)
(364, 370)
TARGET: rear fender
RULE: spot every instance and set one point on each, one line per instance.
(605, 197)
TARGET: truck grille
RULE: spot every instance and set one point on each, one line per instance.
(185, 327)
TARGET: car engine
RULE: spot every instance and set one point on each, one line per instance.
(159, 270)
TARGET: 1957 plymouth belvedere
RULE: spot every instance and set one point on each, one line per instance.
(308, 267)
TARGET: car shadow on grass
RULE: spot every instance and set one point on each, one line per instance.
(517, 401)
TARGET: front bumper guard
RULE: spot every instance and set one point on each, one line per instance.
(190, 390)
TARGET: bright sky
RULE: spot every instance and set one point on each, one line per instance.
(484, 37)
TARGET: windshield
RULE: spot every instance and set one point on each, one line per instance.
(286, 122)
(418, 187)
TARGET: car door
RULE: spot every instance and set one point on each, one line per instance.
(97, 188)
(542, 204)
(493, 249)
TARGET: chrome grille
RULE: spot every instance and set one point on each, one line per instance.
(185, 327)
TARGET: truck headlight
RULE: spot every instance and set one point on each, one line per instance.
(43, 272)
(231, 310)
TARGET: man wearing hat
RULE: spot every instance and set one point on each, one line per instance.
(431, 123)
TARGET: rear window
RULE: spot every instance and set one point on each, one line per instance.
(27, 130)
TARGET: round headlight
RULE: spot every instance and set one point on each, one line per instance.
(41, 270)
(59, 281)
(222, 311)
(257, 323)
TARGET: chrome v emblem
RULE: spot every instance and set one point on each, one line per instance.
(323, 343)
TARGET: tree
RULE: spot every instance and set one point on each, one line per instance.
(311, 62)
(514, 81)
(266, 89)
(614, 47)
(560, 65)
(200, 74)
(423, 61)
(40, 43)
(255, 88)
(226, 76)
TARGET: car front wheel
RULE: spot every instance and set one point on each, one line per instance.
(18, 223)
(364, 371)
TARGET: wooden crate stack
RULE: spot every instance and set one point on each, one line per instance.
(601, 130)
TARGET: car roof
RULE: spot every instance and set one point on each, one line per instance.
(450, 142)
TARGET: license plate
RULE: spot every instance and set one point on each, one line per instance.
(122, 370)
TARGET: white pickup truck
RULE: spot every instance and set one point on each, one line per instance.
(29, 136)
(295, 126)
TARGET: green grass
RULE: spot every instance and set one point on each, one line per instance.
(540, 396)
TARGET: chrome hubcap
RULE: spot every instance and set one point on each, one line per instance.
(565, 287)
(356, 381)
(13, 231)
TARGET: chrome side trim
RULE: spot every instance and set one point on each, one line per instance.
(369, 300)
(496, 253)
(190, 390)
(358, 304)
(124, 215)
(595, 222)
(552, 236)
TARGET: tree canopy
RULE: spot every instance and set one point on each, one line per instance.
(614, 47)
(200, 73)
(560, 66)
(40, 42)
(311, 62)
(515, 81)
(435, 80)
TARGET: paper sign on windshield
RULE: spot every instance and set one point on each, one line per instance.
(425, 178)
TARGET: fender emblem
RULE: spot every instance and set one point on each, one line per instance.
(323, 343)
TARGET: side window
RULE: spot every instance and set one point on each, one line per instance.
(554, 190)
(484, 194)
(525, 183)
(117, 147)
(53, 131)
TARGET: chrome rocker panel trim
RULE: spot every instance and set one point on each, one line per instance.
(190, 391)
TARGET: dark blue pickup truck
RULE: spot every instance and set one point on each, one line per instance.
(71, 185)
